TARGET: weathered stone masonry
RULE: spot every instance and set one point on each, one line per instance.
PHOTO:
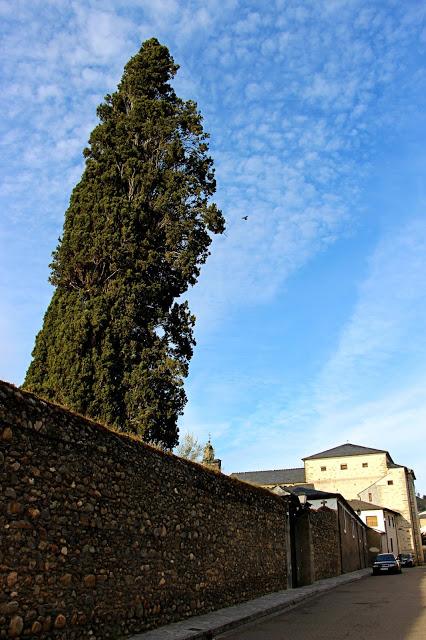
(101, 535)
(325, 543)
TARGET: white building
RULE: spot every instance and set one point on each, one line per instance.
(381, 519)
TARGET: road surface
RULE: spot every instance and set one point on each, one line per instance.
(385, 607)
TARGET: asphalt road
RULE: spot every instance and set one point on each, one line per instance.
(388, 607)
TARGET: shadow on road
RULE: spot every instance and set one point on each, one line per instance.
(385, 607)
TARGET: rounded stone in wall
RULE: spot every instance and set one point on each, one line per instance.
(16, 626)
(7, 435)
(60, 621)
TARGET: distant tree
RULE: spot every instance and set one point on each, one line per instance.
(117, 338)
(189, 448)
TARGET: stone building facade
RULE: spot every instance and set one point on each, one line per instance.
(372, 476)
(357, 473)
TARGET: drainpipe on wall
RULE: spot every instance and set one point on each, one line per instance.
(386, 532)
(398, 546)
(340, 536)
(289, 545)
(412, 504)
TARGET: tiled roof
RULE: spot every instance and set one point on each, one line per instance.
(311, 493)
(345, 450)
(361, 505)
(316, 494)
(274, 476)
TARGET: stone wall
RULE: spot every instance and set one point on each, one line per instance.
(102, 535)
(325, 543)
(374, 544)
(353, 541)
(328, 543)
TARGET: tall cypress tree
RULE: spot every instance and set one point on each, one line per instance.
(116, 340)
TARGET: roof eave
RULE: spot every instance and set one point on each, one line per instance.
(319, 456)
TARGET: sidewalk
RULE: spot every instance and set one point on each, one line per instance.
(211, 624)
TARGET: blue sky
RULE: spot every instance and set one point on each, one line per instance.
(311, 314)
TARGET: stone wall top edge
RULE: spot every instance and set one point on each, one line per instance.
(26, 410)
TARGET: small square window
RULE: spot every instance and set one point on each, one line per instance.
(365, 464)
(343, 466)
(323, 468)
(390, 481)
(370, 497)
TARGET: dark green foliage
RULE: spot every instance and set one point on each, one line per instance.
(115, 345)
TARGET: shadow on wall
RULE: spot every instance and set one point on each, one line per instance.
(327, 544)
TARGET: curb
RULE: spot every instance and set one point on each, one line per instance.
(217, 622)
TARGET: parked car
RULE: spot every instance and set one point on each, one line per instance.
(407, 559)
(386, 563)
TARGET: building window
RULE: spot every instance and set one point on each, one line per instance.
(343, 466)
(365, 464)
(323, 468)
(353, 529)
(371, 521)
(390, 481)
(370, 497)
(391, 544)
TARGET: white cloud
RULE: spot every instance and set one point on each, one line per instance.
(249, 24)
(294, 97)
(388, 322)
(370, 391)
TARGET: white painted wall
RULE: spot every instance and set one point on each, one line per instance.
(387, 523)
(330, 503)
